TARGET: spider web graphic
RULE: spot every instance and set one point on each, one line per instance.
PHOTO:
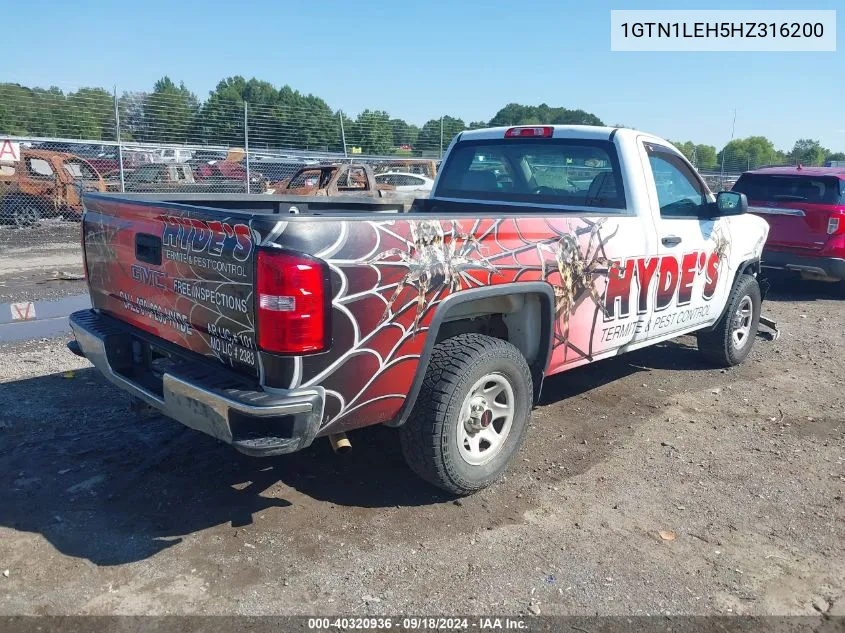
(390, 360)
(437, 258)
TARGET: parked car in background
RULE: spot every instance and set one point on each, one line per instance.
(108, 160)
(179, 178)
(44, 184)
(403, 181)
(174, 155)
(420, 166)
(277, 168)
(805, 208)
(206, 155)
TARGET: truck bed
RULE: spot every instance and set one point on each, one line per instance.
(270, 204)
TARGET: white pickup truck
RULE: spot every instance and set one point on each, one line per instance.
(267, 321)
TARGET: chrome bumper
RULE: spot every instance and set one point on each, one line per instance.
(215, 402)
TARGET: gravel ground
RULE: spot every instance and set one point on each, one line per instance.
(32, 259)
(105, 511)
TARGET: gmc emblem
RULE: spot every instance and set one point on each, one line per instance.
(154, 278)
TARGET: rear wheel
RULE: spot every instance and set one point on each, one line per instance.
(732, 339)
(22, 213)
(471, 415)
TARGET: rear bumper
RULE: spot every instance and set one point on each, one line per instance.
(826, 266)
(215, 401)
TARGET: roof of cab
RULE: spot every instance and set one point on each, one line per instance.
(560, 131)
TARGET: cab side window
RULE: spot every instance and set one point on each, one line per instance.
(680, 192)
(39, 168)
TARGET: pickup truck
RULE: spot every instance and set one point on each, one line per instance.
(268, 321)
(43, 184)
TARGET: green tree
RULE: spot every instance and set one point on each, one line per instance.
(748, 153)
(687, 148)
(48, 106)
(706, 157)
(404, 133)
(88, 114)
(221, 120)
(372, 132)
(282, 118)
(430, 138)
(518, 114)
(839, 156)
(16, 108)
(168, 113)
(808, 152)
(702, 156)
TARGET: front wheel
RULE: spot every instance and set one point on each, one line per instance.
(471, 414)
(733, 337)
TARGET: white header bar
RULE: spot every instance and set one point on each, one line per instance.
(723, 30)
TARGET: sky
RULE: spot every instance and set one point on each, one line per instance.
(419, 60)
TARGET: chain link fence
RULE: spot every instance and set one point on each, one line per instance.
(57, 145)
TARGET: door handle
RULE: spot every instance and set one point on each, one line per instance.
(671, 240)
(148, 248)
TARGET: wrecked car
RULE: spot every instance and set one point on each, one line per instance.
(44, 184)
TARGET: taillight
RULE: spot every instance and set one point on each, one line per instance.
(293, 303)
(528, 132)
(836, 223)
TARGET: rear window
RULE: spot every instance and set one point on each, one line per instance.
(565, 172)
(788, 188)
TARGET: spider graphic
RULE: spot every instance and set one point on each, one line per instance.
(435, 260)
(721, 246)
(99, 244)
(577, 272)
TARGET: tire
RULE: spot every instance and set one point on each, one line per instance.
(22, 213)
(446, 441)
(726, 345)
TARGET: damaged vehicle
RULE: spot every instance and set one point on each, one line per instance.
(180, 178)
(45, 184)
(270, 321)
(333, 180)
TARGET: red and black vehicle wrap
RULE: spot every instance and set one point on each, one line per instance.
(188, 276)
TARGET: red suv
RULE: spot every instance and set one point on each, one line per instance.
(805, 209)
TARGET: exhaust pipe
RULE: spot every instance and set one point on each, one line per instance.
(340, 443)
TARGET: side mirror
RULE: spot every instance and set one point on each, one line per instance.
(730, 203)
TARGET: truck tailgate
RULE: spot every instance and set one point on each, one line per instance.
(181, 273)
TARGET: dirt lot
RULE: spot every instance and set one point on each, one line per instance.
(33, 261)
(103, 512)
